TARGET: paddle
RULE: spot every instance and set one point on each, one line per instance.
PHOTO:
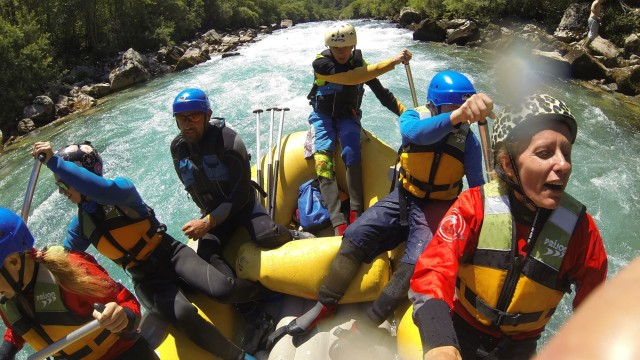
(485, 141)
(272, 200)
(31, 187)
(269, 180)
(70, 338)
(258, 165)
(411, 86)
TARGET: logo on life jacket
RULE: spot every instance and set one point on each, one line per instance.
(452, 227)
(554, 248)
(46, 298)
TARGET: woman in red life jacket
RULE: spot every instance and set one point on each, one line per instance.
(506, 253)
(46, 295)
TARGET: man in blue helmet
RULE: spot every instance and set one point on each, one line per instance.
(213, 165)
(438, 149)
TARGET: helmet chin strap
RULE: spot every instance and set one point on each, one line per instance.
(516, 186)
(16, 286)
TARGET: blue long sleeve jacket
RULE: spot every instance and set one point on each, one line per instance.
(99, 191)
(416, 131)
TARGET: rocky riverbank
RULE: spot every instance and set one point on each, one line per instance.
(603, 65)
(82, 87)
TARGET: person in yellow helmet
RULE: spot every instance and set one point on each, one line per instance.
(505, 253)
(340, 73)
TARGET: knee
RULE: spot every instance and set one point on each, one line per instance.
(275, 237)
(225, 290)
(351, 153)
(351, 251)
(185, 313)
(324, 164)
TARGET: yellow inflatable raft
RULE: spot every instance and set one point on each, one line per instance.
(298, 267)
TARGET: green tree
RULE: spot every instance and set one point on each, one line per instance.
(25, 65)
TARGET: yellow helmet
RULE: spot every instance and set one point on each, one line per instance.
(340, 35)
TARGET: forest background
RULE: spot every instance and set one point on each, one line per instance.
(40, 40)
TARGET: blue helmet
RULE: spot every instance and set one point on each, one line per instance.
(449, 87)
(191, 99)
(15, 237)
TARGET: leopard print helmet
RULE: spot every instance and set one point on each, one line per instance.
(84, 155)
(534, 107)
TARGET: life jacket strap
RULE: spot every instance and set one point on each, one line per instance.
(501, 318)
(426, 187)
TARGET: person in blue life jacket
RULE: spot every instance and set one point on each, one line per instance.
(212, 163)
(114, 219)
(47, 294)
(438, 149)
(340, 73)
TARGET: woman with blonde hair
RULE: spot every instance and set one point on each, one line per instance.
(48, 294)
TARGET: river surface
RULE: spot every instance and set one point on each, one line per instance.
(133, 130)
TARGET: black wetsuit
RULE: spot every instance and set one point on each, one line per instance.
(217, 175)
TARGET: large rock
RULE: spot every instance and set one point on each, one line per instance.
(585, 66)
(212, 37)
(430, 30)
(628, 79)
(408, 16)
(551, 62)
(42, 111)
(83, 102)
(632, 45)
(286, 23)
(26, 126)
(97, 90)
(573, 25)
(463, 34)
(170, 55)
(604, 47)
(191, 57)
(132, 70)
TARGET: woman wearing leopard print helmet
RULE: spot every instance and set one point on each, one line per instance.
(507, 252)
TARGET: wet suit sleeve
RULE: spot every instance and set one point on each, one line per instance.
(116, 292)
(237, 161)
(423, 132)
(386, 97)
(585, 262)
(326, 69)
(473, 161)
(119, 191)
(73, 239)
(434, 279)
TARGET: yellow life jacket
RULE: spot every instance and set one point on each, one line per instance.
(53, 321)
(524, 298)
(120, 234)
(434, 171)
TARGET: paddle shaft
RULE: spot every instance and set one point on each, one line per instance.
(258, 167)
(270, 156)
(485, 141)
(35, 172)
(274, 191)
(411, 86)
(76, 335)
